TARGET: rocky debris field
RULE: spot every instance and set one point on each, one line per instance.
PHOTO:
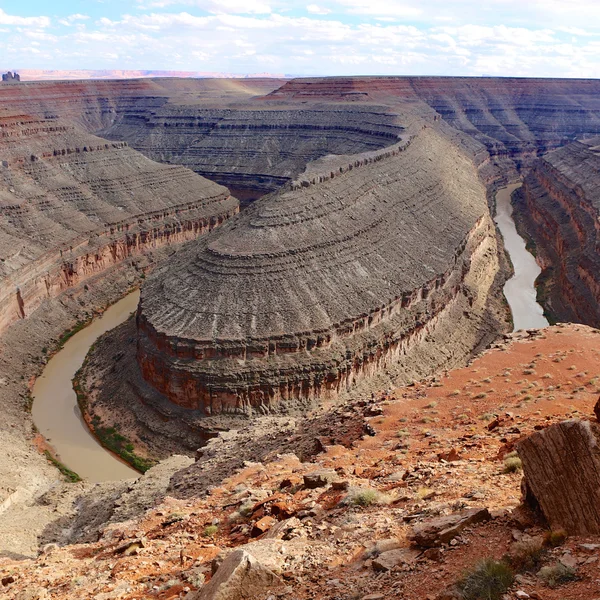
(407, 510)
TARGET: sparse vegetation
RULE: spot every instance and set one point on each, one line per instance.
(554, 538)
(67, 335)
(246, 509)
(488, 580)
(210, 531)
(66, 472)
(554, 575)
(365, 497)
(110, 437)
(512, 463)
(527, 554)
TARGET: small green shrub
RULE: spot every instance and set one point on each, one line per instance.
(526, 555)
(246, 509)
(489, 580)
(512, 463)
(365, 497)
(210, 531)
(554, 575)
(69, 475)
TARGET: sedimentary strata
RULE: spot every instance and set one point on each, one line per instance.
(254, 150)
(560, 208)
(310, 290)
(73, 205)
(516, 118)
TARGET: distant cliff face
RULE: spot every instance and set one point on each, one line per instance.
(560, 207)
(517, 118)
(255, 135)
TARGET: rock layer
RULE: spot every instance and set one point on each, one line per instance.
(309, 291)
(73, 205)
(516, 118)
(560, 208)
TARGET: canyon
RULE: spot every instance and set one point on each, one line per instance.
(560, 210)
(300, 246)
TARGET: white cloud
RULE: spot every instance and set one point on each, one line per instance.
(216, 6)
(72, 19)
(317, 10)
(380, 37)
(6, 19)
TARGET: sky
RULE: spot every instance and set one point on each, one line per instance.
(542, 38)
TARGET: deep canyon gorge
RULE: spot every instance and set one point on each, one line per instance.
(297, 243)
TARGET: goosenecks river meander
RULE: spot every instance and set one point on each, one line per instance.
(57, 415)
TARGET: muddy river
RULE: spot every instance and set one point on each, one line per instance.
(520, 288)
(55, 410)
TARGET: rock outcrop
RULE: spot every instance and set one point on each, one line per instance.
(561, 465)
(442, 530)
(560, 208)
(9, 76)
(239, 577)
(309, 291)
(245, 133)
(514, 118)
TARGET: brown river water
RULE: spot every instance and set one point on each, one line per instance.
(520, 289)
(59, 420)
(56, 413)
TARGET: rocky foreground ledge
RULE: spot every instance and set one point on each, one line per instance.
(407, 509)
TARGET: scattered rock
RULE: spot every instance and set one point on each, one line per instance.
(387, 561)
(441, 530)
(320, 478)
(449, 456)
(262, 526)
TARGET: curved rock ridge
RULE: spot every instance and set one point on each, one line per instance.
(96, 104)
(310, 290)
(520, 118)
(560, 207)
(72, 205)
(254, 150)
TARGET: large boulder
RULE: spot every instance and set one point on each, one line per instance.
(561, 465)
(239, 577)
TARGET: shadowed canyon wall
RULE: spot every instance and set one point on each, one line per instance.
(560, 207)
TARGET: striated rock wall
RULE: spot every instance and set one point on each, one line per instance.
(516, 119)
(308, 292)
(560, 207)
(254, 150)
(254, 136)
(73, 206)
